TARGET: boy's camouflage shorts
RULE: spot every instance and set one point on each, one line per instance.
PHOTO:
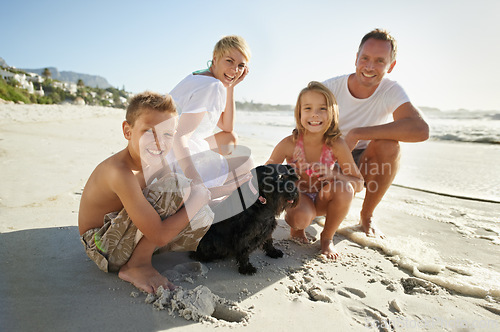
(111, 246)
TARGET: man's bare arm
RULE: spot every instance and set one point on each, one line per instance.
(408, 126)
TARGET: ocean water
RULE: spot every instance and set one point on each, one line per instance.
(461, 158)
(465, 126)
(481, 127)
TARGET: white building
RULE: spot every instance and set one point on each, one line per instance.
(70, 87)
(24, 83)
(59, 85)
(36, 78)
(40, 92)
(6, 74)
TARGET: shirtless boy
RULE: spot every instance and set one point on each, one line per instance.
(125, 216)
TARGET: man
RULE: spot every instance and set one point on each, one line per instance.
(366, 100)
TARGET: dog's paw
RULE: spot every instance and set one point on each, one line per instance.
(248, 269)
(274, 253)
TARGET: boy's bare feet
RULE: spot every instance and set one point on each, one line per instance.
(144, 277)
(370, 229)
(328, 249)
(299, 235)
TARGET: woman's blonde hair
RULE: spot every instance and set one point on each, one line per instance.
(332, 132)
(228, 43)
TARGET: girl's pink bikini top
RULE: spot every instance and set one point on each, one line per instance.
(299, 155)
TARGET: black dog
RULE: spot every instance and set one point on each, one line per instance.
(238, 234)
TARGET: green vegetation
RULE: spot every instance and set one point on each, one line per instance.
(98, 96)
(53, 95)
(10, 90)
(46, 73)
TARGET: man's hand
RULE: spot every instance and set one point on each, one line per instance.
(351, 139)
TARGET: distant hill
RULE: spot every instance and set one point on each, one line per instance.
(426, 109)
(2, 62)
(70, 76)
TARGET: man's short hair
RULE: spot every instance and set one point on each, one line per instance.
(148, 101)
(381, 34)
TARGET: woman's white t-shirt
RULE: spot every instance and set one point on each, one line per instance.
(196, 94)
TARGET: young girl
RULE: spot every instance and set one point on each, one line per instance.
(205, 100)
(314, 147)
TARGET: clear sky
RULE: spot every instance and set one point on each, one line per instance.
(449, 51)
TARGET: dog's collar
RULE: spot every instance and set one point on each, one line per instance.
(262, 200)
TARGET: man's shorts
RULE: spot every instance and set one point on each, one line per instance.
(112, 245)
(356, 155)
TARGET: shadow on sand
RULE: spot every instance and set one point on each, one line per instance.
(48, 283)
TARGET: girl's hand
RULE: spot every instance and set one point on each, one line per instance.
(302, 168)
(323, 172)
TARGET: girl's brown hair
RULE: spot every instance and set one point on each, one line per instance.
(333, 131)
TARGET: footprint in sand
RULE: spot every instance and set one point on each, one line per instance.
(370, 317)
(317, 294)
(365, 315)
(355, 291)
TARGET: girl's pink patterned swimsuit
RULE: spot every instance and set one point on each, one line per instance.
(299, 157)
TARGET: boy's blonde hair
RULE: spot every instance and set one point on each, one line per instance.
(333, 131)
(232, 42)
(381, 34)
(148, 101)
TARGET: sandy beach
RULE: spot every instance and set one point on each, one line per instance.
(437, 270)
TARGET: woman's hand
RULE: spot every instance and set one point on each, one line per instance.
(242, 76)
(229, 187)
(199, 196)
